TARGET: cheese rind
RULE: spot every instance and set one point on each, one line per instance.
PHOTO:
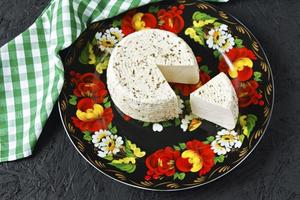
(217, 102)
(139, 69)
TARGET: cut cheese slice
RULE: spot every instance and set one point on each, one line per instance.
(217, 102)
(139, 70)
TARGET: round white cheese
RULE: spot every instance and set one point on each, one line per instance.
(217, 102)
(139, 70)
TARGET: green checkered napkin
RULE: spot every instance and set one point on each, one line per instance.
(32, 74)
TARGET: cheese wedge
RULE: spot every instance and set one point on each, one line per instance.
(139, 70)
(217, 102)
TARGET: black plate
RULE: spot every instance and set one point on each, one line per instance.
(173, 159)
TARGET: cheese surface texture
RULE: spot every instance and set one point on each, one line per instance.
(217, 102)
(139, 70)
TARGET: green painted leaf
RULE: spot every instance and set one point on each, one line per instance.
(202, 16)
(114, 130)
(129, 168)
(110, 126)
(219, 159)
(72, 101)
(87, 136)
(145, 124)
(217, 24)
(210, 138)
(241, 137)
(187, 103)
(109, 157)
(176, 147)
(239, 43)
(182, 146)
(251, 120)
(257, 76)
(128, 151)
(201, 34)
(116, 23)
(181, 176)
(102, 57)
(217, 54)
(105, 99)
(166, 124)
(206, 142)
(84, 56)
(246, 131)
(205, 69)
(94, 41)
(177, 122)
(175, 176)
(107, 104)
(153, 9)
(215, 160)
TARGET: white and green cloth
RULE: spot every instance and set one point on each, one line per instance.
(32, 74)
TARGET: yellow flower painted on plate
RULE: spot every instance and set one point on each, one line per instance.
(90, 114)
(92, 56)
(194, 159)
(137, 22)
(136, 151)
(243, 123)
(193, 34)
(102, 66)
(125, 160)
(243, 120)
(245, 130)
(195, 123)
(201, 23)
(239, 65)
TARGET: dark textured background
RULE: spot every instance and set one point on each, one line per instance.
(272, 171)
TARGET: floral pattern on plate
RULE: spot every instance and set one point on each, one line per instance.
(176, 154)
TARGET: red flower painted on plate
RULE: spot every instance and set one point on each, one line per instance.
(171, 20)
(187, 89)
(198, 157)
(134, 21)
(126, 117)
(242, 62)
(247, 93)
(89, 85)
(91, 116)
(161, 163)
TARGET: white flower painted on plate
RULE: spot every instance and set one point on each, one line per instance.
(180, 104)
(114, 31)
(184, 126)
(219, 39)
(156, 127)
(228, 44)
(216, 37)
(106, 42)
(228, 138)
(110, 145)
(98, 136)
(98, 35)
(218, 149)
